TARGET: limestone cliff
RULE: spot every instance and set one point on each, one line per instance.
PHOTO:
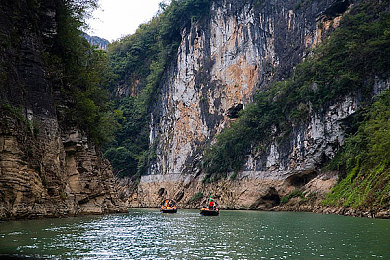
(48, 165)
(221, 63)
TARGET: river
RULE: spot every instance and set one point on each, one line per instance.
(149, 234)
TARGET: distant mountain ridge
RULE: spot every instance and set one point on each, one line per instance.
(101, 43)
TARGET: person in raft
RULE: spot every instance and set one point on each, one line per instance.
(211, 205)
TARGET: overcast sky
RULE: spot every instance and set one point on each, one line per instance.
(117, 18)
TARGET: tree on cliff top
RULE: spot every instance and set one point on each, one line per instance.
(83, 71)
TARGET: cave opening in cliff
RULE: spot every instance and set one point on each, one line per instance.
(234, 110)
(161, 192)
(272, 197)
(301, 179)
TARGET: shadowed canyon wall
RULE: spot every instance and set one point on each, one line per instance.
(48, 166)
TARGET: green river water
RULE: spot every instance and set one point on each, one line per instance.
(149, 234)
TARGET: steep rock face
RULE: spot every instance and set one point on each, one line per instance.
(309, 145)
(221, 62)
(48, 167)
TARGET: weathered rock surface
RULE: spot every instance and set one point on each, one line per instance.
(221, 62)
(59, 174)
(48, 167)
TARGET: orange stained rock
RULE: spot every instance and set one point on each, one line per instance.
(244, 77)
(322, 26)
(188, 127)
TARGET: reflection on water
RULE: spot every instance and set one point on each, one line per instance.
(149, 234)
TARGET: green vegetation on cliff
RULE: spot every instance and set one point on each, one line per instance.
(294, 194)
(365, 160)
(83, 72)
(139, 61)
(48, 34)
(345, 63)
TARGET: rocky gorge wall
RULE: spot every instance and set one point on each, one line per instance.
(48, 166)
(221, 62)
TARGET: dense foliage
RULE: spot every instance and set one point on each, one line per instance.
(138, 62)
(82, 71)
(345, 63)
(365, 158)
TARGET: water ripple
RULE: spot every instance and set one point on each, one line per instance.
(148, 234)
